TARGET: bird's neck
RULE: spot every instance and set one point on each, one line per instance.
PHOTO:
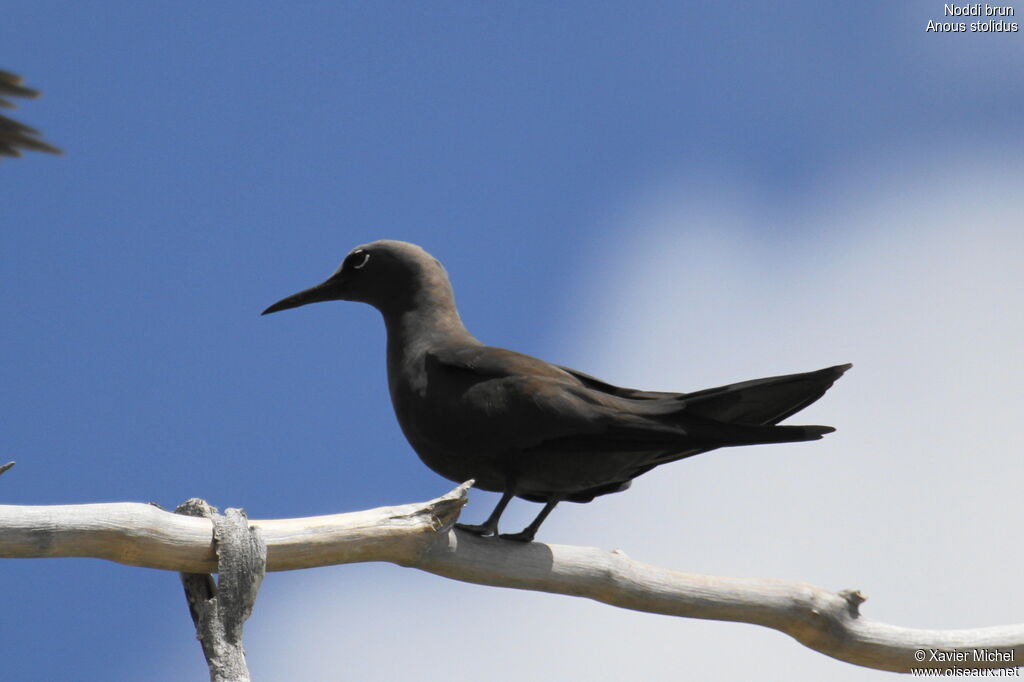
(411, 335)
(416, 330)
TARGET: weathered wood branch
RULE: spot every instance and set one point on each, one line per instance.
(421, 536)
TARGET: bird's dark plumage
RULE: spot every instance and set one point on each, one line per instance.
(15, 136)
(524, 427)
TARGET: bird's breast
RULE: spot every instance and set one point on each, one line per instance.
(454, 431)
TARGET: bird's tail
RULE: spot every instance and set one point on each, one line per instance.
(711, 435)
(766, 401)
(756, 435)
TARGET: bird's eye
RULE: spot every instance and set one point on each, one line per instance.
(358, 259)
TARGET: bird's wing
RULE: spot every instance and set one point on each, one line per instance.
(15, 136)
(620, 391)
(731, 413)
(490, 362)
(549, 403)
(552, 409)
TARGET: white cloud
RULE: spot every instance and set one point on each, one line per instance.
(913, 274)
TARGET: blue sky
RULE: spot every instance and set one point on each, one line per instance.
(575, 167)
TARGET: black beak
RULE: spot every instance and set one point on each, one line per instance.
(325, 291)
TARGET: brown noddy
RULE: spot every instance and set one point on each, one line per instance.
(526, 428)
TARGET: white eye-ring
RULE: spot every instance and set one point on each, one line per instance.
(365, 259)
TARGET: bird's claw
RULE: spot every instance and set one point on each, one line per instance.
(521, 536)
(486, 529)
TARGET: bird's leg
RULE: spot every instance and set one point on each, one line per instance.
(526, 535)
(490, 526)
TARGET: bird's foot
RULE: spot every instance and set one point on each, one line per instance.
(481, 529)
(522, 536)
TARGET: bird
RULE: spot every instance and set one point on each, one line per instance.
(15, 136)
(526, 428)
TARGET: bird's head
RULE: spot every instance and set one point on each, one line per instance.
(390, 275)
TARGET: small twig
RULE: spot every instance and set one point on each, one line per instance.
(220, 610)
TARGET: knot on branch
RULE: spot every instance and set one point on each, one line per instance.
(220, 610)
(853, 598)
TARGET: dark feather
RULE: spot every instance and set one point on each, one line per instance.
(15, 136)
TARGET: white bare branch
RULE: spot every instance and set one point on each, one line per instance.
(421, 536)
